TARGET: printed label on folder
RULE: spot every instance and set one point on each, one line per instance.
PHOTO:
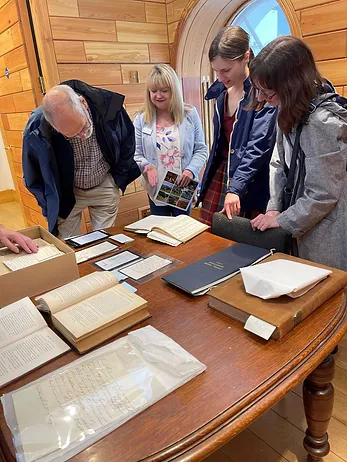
(259, 327)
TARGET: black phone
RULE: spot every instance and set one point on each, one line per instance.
(85, 239)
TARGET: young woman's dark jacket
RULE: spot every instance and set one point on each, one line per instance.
(251, 145)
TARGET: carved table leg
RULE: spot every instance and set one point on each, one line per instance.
(318, 403)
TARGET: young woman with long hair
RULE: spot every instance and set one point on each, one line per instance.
(236, 178)
(285, 75)
(169, 137)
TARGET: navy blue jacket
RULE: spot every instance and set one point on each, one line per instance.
(250, 149)
(48, 159)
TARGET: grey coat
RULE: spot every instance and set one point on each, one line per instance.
(317, 217)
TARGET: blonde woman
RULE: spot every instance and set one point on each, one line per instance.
(169, 137)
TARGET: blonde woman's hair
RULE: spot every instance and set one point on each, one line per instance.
(163, 76)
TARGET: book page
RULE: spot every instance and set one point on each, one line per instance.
(183, 228)
(28, 353)
(44, 253)
(76, 291)
(146, 224)
(164, 238)
(99, 310)
(18, 320)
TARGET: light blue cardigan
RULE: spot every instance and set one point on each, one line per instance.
(192, 145)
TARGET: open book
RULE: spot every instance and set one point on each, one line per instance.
(26, 342)
(169, 230)
(92, 309)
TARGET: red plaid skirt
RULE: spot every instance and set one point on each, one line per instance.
(215, 195)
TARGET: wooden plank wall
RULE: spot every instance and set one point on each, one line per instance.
(16, 101)
(324, 29)
(102, 43)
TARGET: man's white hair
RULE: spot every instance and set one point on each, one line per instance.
(58, 96)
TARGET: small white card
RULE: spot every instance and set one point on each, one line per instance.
(145, 267)
(121, 238)
(259, 327)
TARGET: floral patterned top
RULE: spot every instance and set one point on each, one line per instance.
(168, 153)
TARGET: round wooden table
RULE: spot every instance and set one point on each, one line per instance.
(245, 375)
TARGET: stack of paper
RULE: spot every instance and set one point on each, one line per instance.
(44, 253)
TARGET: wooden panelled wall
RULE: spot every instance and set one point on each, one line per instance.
(103, 43)
(17, 100)
(324, 29)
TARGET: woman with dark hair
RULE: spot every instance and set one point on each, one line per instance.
(236, 178)
(314, 208)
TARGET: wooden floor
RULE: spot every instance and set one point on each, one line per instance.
(11, 216)
(278, 434)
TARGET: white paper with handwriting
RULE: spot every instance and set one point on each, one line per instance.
(281, 277)
(62, 413)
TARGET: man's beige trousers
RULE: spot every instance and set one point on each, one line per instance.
(102, 202)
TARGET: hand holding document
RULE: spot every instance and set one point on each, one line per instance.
(64, 412)
(281, 277)
(44, 253)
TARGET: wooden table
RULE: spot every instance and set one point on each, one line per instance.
(245, 376)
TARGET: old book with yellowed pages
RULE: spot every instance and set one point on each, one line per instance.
(168, 230)
(92, 309)
(283, 313)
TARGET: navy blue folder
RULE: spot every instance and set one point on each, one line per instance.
(197, 278)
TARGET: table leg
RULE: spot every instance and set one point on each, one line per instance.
(318, 403)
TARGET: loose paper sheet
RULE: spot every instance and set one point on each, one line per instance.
(64, 412)
(281, 277)
(44, 253)
(95, 251)
(117, 260)
(145, 267)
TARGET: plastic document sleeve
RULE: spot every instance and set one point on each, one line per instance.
(64, 412)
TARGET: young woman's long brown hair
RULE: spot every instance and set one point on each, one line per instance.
(286, 67)
(231, 43)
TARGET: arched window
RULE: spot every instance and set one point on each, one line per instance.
(264, 20)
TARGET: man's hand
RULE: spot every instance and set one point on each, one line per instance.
(263, 222)
(152, 175)
(185, 178)
(9, 238)
(232, 205)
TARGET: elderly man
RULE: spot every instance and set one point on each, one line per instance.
(78, 151)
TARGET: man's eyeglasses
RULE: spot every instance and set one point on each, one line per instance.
(86, 131)
(264, 94)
